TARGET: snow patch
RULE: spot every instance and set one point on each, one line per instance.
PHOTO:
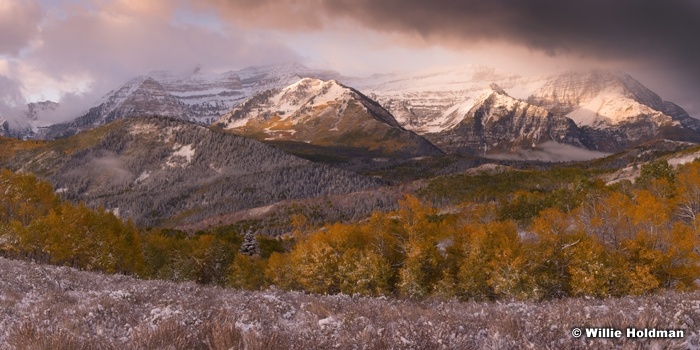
(176, 159)
(260, 210)
(143, 176)
(329, 321)
(142, 128)
(684, 159)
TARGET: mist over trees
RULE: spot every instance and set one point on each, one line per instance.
(164, 171)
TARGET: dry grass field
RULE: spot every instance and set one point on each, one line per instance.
(46, 307)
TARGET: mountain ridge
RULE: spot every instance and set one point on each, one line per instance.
(324, 113)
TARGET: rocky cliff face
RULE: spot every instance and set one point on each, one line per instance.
(497, 122)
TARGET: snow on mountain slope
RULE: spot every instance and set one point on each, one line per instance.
(199, 95)
(261, 78)
(497, 122)
(614, 110)
(565, 92)
(610, 108)
(324, 113)
(423, 101)
(23, 123)
(141, 96)
(210, 95)
(207, 94)
(600, 99)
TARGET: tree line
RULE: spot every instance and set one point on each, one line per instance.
(588, 239)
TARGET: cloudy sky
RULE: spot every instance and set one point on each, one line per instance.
(76, 50)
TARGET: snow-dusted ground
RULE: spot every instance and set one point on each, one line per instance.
(44, 307)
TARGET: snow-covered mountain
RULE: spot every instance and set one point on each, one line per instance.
(424, 101)
(326, 114)
(209, 95)
(597, 98)
(262, 78)
(614, 109)
(141, 96)
(199, 95)
(23, 124)
(496, 122)
(12, 127)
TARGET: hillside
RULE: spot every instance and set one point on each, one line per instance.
(159, 171)
(47, 307)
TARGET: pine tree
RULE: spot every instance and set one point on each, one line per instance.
(250, 245)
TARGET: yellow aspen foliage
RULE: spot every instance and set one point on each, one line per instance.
(9, 239)
(589, 269)
(300, 225)
(510, 271)
(247, 272)
(494, 265)
(451, 247)
(210, 258)
(638, 265)
(279, 271)
(423, 266)
(556, 239)
(473, 274)
(24, 198)
(315, 264)
(157, 250)
(80, 237)
(650, 212)
(383, 236)
(364, 272)
(610, 219)
(682, 258)
(641, 280)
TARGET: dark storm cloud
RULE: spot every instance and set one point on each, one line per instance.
(638, 35)
(662, 31)
(645, 31)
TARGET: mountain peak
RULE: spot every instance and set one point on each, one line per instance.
(325, 114)
(563, 93)
(497, 89)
